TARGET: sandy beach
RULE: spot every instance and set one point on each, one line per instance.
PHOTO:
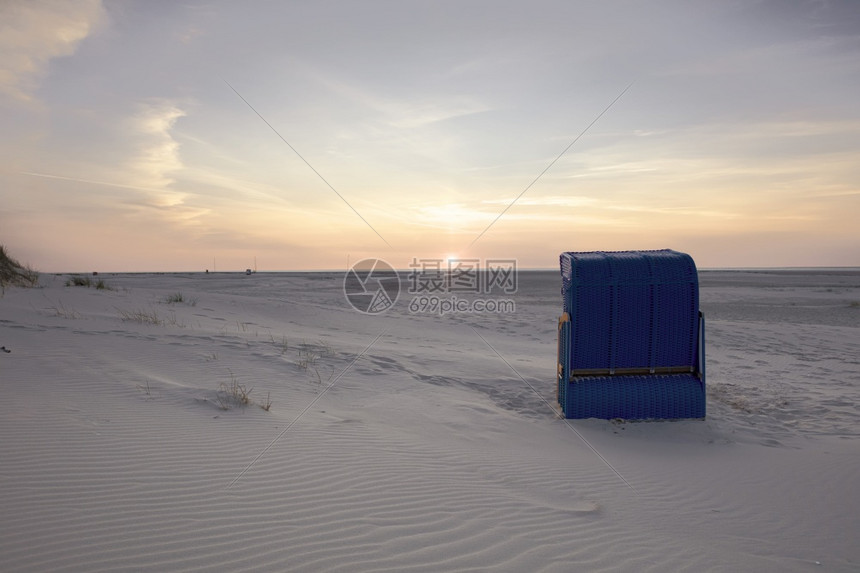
(224, 422)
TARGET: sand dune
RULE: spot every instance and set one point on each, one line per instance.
(405, 443)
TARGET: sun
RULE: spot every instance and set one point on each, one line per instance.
(450, 258)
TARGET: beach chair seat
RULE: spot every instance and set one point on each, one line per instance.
(631, 337)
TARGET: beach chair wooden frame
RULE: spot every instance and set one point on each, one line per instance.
(631, 339)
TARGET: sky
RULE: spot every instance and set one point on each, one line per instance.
(168, 136)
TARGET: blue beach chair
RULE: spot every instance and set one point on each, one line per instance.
(631, 340)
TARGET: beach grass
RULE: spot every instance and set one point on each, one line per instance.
(234, 393)
(175, 298)
(82, 281)
(13, 273)
(179, 298)
(141, 316)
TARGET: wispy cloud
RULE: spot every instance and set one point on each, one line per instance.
(547, 201)
(463, 218)
(401, 113)
(34, 32)
(156, 160)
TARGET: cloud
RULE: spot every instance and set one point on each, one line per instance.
(33, 33)
(404, 113)
(156, 156)
(459, 217)
(546, 201)
(430, 121)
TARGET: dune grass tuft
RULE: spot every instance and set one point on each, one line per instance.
(78, 280)
(175, 298)
(234, 393)
(143, 316)
(63, 312)
(13, 273)
(140, 316)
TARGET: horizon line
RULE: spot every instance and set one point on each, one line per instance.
(406, 270)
